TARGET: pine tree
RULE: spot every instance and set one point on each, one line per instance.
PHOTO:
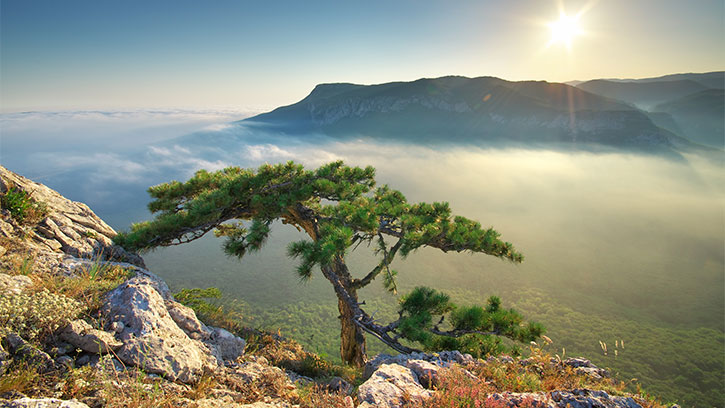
(339, 208)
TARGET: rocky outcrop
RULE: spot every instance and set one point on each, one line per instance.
(391, 386)
(69, 228)
(145, 326)
(163, 336)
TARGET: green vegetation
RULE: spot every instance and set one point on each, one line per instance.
(339, 209)
(22, 207)
(659, 358)
(207, 306)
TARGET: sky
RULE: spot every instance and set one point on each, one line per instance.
(101, 54)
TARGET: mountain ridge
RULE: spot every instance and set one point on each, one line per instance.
(480, 110)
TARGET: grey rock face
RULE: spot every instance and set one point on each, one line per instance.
(80, 334)
(390, 386)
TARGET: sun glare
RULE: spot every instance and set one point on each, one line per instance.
(564, 30)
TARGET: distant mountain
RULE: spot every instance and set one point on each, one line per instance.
(643, 94)
(701, 116)
(714, 80)
(481, 111)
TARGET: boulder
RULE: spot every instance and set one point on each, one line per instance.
(151, 338)
(81, 335)
(43, 403)
(391, 386)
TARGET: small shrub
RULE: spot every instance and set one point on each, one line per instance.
(22, 207)
(88, 286)
(205, 304)
(37, 315)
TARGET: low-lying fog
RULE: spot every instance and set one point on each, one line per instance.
(620, 236)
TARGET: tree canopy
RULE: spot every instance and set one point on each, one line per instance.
(340, 208)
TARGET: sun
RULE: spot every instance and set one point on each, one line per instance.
(564, 30)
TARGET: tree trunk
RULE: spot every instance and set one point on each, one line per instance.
(352, 338)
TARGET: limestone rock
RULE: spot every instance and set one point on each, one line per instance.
(43, 403)
(390, 386)
(186, 319)
(10, 284)
(82, 335)
(69, 227)
(229, 345)
(151, 338)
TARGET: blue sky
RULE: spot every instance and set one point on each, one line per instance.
(127, 54)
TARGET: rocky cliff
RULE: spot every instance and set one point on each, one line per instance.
(83, 323)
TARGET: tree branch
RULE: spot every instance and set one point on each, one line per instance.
(384, 264)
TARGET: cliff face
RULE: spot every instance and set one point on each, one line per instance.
(102, 351)
(69, 229)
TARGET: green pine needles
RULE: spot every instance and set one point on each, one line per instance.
(339, 208)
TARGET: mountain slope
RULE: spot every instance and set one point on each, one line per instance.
(701, 116)
(643, 94)
(714, 80)
(482, 110)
